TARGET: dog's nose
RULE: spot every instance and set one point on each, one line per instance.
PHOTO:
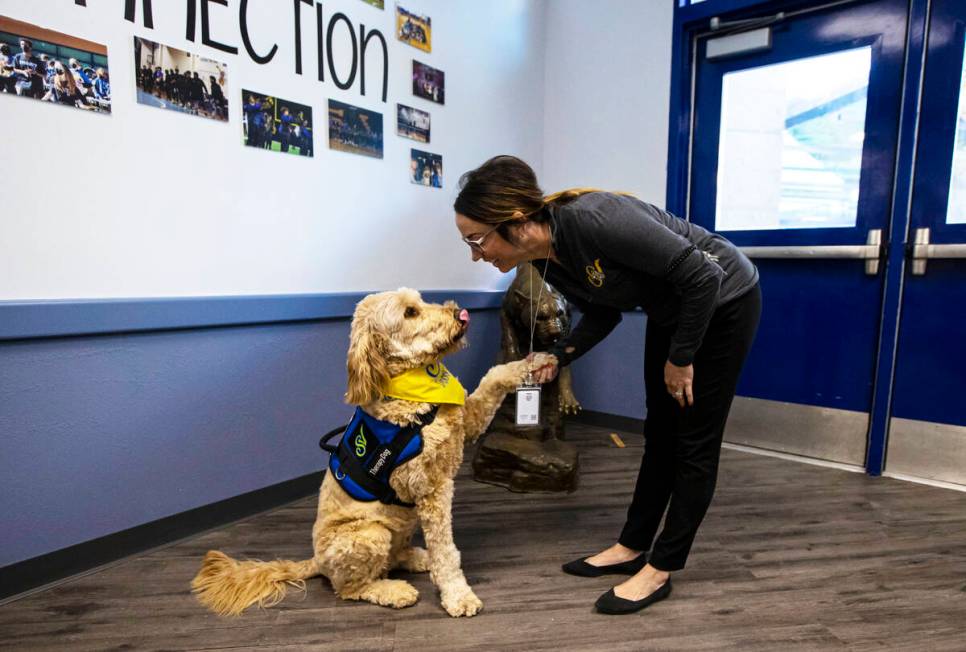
(463, 316)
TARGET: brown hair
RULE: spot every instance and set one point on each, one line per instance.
(503, 186)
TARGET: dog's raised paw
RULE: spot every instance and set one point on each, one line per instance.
(462, 604)
(541, 360)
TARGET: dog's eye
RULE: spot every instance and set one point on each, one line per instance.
(411, 312)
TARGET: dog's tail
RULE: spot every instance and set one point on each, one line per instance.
(228, 587)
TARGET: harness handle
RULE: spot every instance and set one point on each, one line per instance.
(324, 441)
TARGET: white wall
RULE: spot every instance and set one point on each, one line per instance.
(182, 208)
(608, 77)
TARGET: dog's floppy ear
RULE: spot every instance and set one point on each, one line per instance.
(367, 369)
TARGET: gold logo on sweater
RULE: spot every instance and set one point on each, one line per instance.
(595, 275)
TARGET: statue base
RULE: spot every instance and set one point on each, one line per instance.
(526, 465)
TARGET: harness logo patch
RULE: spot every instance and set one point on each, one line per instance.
(595, 275)
(360, 442)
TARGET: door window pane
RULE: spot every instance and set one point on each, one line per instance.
(790, 151)
(956, 211)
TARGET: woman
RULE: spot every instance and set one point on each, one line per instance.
(218, 96)
(608, 253)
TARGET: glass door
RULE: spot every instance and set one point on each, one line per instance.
(794, 150)
(927, 434)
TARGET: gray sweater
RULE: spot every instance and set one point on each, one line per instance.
(618, 253)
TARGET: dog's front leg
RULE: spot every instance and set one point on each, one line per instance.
(482, 404)
(435, 512)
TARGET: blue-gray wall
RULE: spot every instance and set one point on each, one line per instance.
(610, 377)
(100, 433)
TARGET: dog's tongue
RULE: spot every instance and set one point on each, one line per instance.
(465, 316)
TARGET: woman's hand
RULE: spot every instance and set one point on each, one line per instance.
(679, 381)
(547, 372)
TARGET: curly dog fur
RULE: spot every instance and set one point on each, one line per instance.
(357, 543)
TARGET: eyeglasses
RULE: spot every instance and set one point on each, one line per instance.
(477, 245)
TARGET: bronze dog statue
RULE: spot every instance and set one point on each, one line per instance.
(531, 458)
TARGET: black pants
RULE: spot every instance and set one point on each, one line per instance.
(682, 445)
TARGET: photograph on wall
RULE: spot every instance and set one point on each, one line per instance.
(425, 168)
(412, 123)
(414, 29)
(169, 78)
(275, 124)
(378, 4)
(428, 83)
(45, 65)
(354, 129)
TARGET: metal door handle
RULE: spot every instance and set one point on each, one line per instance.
(921, 251)
(871, 253)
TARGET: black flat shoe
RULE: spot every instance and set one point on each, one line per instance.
(610, 604)
(581, 568)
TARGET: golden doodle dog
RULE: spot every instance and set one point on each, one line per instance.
(356, 543)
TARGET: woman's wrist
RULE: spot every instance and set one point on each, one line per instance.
(563, 354)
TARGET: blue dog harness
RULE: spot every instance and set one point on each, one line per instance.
(370, 450)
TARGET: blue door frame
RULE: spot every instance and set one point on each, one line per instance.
(691, 18)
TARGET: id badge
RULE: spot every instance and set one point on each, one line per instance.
(528, 405)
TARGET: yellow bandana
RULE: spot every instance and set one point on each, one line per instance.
(431, 384)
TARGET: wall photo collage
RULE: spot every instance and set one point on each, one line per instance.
(42, 64)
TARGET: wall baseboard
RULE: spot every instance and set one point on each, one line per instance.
(18, 578)
(613, 421)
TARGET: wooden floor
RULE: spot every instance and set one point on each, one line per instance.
(790, 557)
